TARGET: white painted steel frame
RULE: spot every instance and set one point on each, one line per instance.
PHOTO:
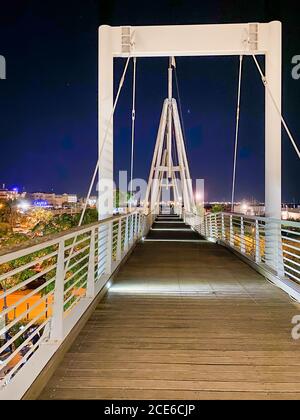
(198, 40)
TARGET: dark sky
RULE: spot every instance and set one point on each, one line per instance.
(48, 104)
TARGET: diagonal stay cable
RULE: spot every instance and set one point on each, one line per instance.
(236, 133)
(121, 83)
(266, 84)
(132, 130)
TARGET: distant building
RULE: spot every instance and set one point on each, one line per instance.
(250, 209)
(10, 194)
(46, 197)
(54, 200)
(290, 213)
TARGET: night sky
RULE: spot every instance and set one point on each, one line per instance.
(48, 104)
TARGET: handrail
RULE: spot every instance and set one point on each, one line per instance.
(47, 288)
(272, 242)
(50, 239)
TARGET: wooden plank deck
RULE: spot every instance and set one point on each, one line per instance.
(184, 321)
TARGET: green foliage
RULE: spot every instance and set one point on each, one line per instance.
(218, 208)
(5, 228)
(45, 227)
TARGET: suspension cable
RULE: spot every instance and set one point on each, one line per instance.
(104, 140)
(180, 105)
(266, 84)
(98, 161)
(236, 133)
(132, 130)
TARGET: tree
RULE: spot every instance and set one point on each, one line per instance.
(218, 208)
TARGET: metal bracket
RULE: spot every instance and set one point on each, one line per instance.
(127, 42)
(253, 33)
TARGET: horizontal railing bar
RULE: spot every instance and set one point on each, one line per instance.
(26, 282)
(33, 245)
(23, 345)
(26, 297)
(73, 304)
(292, 254)
(66, 280)
(77, 262)
(291, 261)
(75, 283)
(291, 231)
(21, 332)
(26, 266)
(292, 275)
(6, 328)
(75, 244)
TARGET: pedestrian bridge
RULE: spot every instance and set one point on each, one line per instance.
(159, 310)
(145, 305)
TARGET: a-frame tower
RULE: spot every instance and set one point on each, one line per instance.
(170, 170)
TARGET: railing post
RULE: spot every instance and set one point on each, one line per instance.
(136, 226)
(216, 227)
(126, 239)
(119, 241)
(57, 323)
(139, 233)
(90, 289)
(243, 246)
(231, 235)
(109, 248)
(280, 262)
(257, 243)
(206, 226)
(131, 229)
(210, 227)
(273, 246)
(223, 227)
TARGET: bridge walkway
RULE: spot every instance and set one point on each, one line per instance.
(184, 319)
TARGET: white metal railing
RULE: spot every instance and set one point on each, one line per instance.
(46, 288)
(272, 243)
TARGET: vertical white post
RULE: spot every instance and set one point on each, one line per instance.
(231, 236)
(257, 243)
(57, 324)
(109, 248)
(105, 187)
(223, 227)
(243, 246)
(170, 116)
(126, 239)
(119, 242)
(210, 227)
(136, 226)
(90, 290)
(216, 228)
(273, 141)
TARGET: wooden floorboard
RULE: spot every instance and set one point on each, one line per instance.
(184, 321)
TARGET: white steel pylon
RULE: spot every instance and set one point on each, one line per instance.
(170, 169)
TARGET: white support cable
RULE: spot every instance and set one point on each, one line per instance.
(104, 140)
(98, 162)
(236, 133)
(132, 129)
(266, 84)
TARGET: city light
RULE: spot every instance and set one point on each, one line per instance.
(24, 205)
(244, 207)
